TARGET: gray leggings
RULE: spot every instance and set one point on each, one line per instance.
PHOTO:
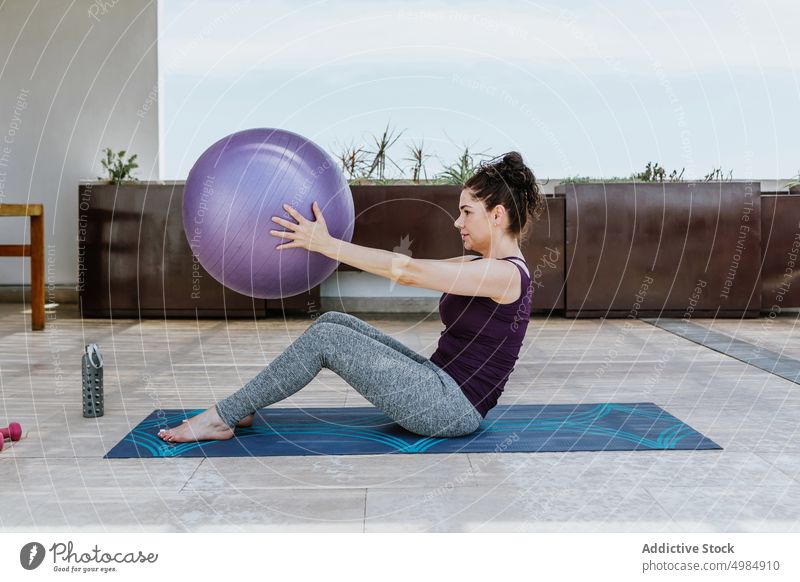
(408, 387)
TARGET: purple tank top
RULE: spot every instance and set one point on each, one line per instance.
(481, 340)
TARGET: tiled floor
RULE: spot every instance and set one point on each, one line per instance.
(55, 479)
(750, 350)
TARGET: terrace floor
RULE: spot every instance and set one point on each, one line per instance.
(55, 478)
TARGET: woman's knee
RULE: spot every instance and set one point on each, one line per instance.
(318, 336)
(336, 317)
(328, 317)
(322, 328)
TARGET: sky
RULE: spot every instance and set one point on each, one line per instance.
(579, 88)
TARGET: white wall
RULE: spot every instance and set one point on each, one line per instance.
(358, 284)
(75, 77)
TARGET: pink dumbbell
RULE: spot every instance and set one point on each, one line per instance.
(13, 431)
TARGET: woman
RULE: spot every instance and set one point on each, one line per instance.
(485, 308)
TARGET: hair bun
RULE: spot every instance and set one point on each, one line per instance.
(508, 181)
(513, 171)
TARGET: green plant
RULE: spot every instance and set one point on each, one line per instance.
(118, 169)
(588, 179)
(418, 157)
(654, 172)
(793, 183)
(353, 162)
(385, 181)
(379, 155)
(716, 175)
(462, 170)
(580, 180)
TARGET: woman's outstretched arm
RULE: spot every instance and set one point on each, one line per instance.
(496, 279)
(314, 236)
(376, 261)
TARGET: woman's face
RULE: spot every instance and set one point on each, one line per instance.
(474, 223)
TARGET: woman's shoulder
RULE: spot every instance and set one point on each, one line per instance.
(514, 260)
(477, 257)
(520, 262)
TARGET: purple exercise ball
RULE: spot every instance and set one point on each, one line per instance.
(237, 186)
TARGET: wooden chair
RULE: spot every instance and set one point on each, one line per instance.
(34, 250)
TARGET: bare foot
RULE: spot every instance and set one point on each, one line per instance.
(205, 426)
(244, 423)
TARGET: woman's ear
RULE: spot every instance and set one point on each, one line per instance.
(497, 213)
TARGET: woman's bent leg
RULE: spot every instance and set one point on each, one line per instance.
(359, 325)
(409, 392)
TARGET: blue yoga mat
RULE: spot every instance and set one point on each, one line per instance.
(367, 431)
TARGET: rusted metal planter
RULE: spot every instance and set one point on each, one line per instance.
(134, 259)
(665, 249)
(611, 250)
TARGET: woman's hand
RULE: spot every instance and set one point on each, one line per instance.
(305, 234)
